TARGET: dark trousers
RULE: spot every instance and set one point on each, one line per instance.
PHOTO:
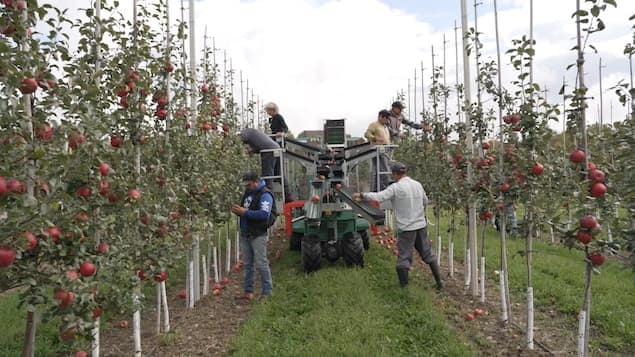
(271, 167)
(419, 241)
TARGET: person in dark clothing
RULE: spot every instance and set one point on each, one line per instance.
(276, 122)
(270, 164)
(396, 119)
(254, 217)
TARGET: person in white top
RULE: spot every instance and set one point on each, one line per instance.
(408, 199)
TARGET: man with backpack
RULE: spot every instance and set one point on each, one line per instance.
(257, 213)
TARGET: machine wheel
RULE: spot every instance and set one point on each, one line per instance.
(311, 253)
(365, 239)
(295, 242)
(353, 249)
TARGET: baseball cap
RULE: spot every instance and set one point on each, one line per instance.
(397, 104)
(384, 113)
(398, 167)
(250, 176)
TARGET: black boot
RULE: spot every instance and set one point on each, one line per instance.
(402, 273)
(437, 274)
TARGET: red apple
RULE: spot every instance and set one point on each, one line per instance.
(81, 354)
(338, 186)
(216, 292)
(123, 323)
(7, 256)
(187, 125)
(131, 86)
(507, 119)
(113, 198)
(97, 312)
(597, 259)
(102, 248)
(225, 280)
(204, 88)
(145, 219)
(115, 141)
(588, 222)
(485, 146)
(141, 274)
(596, 175)
(598, 190)
(54, 233)
(217, 286)
(104, 187)
(122, 91)
(44, 132)
(206, 126)
(183, 294)
(162, 114)
(505, 188)
(104, 169)
(134, 194)
(591, 166)
(515, 118)
(84, 192)
(75, 140)
(72, 274)
(82, 217)
(537, 169)
(133, 75)
(15, 186)
(28, 86)
(584, 237)
(161, 277)
(3, 186)
(31, 241)
(87, 269)
(577, 156)
(469, 317)
(169, 67)
(478, 312)
(162, 102)
(315, 198)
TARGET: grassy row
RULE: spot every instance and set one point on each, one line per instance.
(558, 280)
(350, 312)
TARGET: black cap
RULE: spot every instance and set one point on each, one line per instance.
(397, 104)
(384, 113)
(398, 168)
(250, 176)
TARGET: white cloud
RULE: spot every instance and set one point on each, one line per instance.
(348, 58)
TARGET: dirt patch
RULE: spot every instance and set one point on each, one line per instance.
(205, 330)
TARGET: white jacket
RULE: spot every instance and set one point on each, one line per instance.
(408, 199)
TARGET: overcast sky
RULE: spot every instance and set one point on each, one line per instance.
(322, 59)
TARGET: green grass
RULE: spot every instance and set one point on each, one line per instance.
(13, 328)
(558, 280)
(347, 312)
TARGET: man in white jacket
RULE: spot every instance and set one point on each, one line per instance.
(408, 199)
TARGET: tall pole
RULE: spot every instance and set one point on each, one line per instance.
(409, 106)
(470, 147)
(529, 337)
(414, 96)
(456, 68)
(423, 96)
(601, 117)
(434, 90)
(506, 315)
(242, 98)
(445, 97)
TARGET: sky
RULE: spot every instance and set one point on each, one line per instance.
(320, 59)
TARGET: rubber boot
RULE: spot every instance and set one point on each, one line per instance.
(437, 274)
(402, 273)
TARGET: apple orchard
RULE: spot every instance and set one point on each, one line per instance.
(118, 158)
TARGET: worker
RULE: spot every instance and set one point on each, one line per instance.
(396, 119)
(408, 199)
(276, 122)
(255, 211)
(270, 164)
(378, 134)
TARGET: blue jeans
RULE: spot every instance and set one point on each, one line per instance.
(255, 258)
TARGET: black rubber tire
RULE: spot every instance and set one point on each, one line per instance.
(353, 250)
(311, 254)
(365, 239)
(295, 242)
